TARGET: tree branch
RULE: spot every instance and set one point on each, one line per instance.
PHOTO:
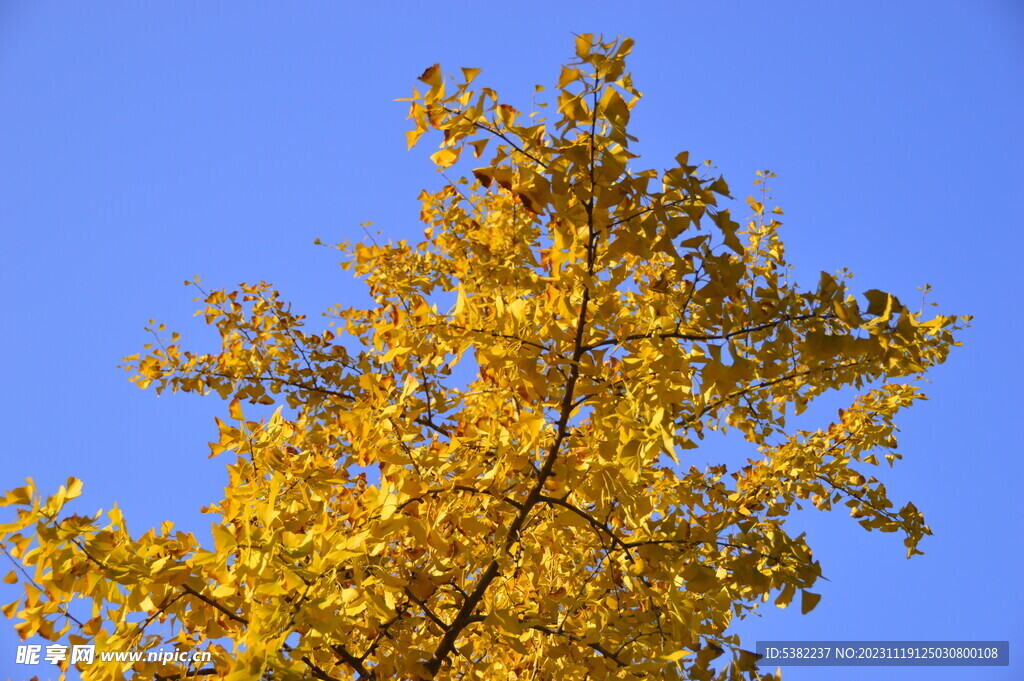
(351, 660)
(502, 136)
(465, 614)
(573, 637)
(704, 337)
(765, 384)
(594, 522)
(213, 604)
(317, 671)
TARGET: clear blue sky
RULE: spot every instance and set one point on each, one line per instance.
(144, 143)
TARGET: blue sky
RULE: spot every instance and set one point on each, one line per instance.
(144, 143)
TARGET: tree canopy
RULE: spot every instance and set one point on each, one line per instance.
(487, 473)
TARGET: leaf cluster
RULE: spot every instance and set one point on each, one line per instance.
(484, 474)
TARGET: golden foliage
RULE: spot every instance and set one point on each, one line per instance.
(566, 324)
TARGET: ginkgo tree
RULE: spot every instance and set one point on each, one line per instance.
(488, 472)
